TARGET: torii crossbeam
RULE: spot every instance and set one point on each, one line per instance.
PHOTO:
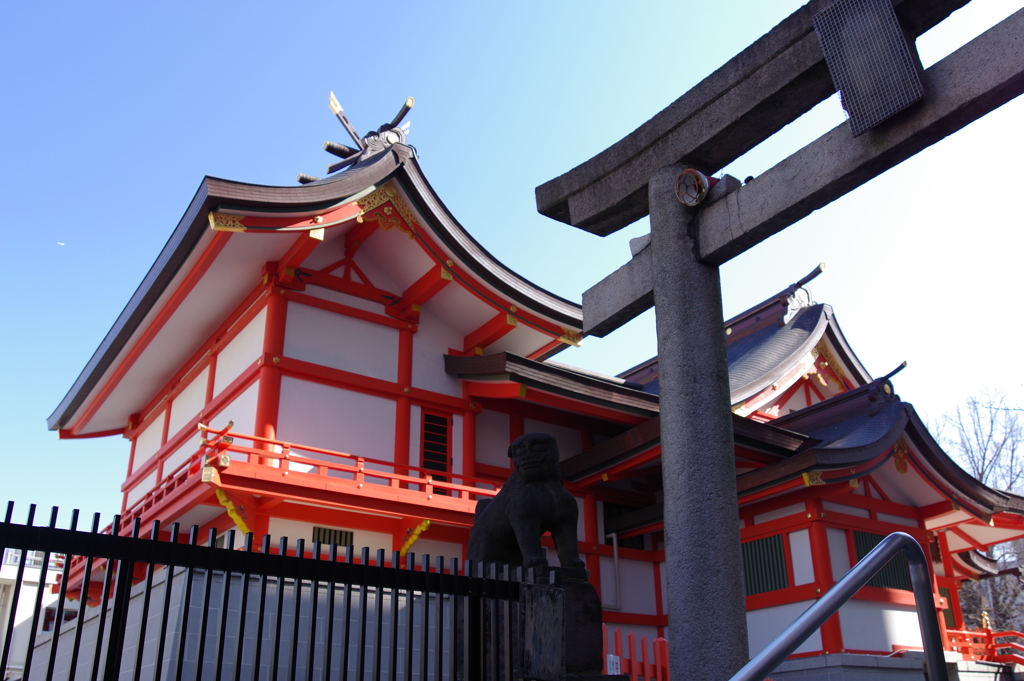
(768, 85)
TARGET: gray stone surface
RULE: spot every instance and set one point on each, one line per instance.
(979, 77)
(702, 536)
(619, 297)
(768, 85)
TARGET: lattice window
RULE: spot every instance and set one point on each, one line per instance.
(327, 536)
(764, 565)
(437, 446)
(895, 574)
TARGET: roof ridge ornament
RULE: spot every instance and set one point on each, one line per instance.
(368, 145)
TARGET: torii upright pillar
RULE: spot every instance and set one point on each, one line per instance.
(707, 615)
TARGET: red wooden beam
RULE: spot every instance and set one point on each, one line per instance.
(490, 331)
(425, 288)
(300, 249)
(352, 288)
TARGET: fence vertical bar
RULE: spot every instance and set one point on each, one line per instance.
(453, 661)
(243, 608)
(472, 644)
(19, 573)
(506, 621)
(141, 644)
(83, 601)
(119, 614)
(491, 573)
(293, 663)
(279, 611)
(265, 550)
(410, 601)
(211, 543)
(378, 620)
(222, 625)
(396, 557)
(314, 587)
(349, 551)
(425, 619)
(43, 570)
(63, 592)
(329, 637)
(364, 557)
(439, 622)
(193, 540)
(166, 611)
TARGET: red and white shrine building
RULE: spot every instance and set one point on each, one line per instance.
(342, 361)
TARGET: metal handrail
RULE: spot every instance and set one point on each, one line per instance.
(799, 631)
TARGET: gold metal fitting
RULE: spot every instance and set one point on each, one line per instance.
(276, 360)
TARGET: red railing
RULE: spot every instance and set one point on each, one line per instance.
(652, 663)
(282, 455)
(348, 469)
(982, 645)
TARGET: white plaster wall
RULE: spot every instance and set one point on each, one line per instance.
(569, 439)
(340, 420)
(141, 489)
(800, 551)
(780, 513)
(765, 624)
(839, 552)
(429, 346)
(580, 529)
(663, 575)
(243, 350)
(344, 299)
(434, 548)
(843, 508)
(456, 441)
(188, 403)
(415, 434)
(294, 529)
(147, 442)
(241, 410)
(636, 583)
(340, 342)
(492, 438)
(178, 456)
(868, 625)
(897, 520)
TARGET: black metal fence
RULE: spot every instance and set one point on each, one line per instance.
(174, 610)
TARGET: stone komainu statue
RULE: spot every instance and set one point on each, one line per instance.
(507, 529)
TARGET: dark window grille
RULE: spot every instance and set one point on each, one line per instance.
(437, 447)
(327, 536)
(50, 616)
(764, 565)
(895, 574)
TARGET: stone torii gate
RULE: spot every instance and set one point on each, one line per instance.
(768, 85)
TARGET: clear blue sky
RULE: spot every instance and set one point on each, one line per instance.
(113, 112)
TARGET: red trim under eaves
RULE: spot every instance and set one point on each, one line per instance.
(65, 434)
(217, 244)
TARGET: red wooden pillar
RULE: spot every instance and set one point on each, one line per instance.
(831, 631)
(403, 408)
(268, 397)
(592, 541)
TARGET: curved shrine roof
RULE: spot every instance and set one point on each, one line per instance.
(397, 165)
